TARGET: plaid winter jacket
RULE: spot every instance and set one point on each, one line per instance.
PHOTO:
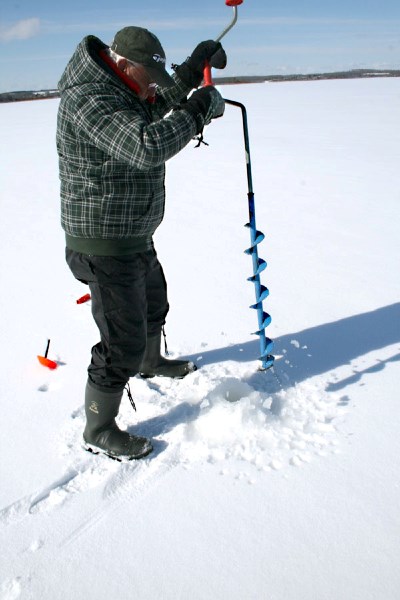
(112, 151)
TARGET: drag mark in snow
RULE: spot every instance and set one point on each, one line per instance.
(79, 478)
(125, 484)
(55, 493)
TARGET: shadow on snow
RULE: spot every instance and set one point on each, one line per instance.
(323, 348)
(306, 354)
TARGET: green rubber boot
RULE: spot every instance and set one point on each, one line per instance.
(154, 364)
(102, 435)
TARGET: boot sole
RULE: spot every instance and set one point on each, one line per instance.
(118, 457)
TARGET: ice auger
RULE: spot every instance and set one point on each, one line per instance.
(256, 236)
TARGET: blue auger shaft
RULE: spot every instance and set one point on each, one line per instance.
(264, 319)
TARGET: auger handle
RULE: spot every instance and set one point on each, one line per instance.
(207, 69)
(207, 77)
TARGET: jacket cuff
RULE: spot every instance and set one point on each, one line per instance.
(195, 113)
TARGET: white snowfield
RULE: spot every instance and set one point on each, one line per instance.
(277, 485)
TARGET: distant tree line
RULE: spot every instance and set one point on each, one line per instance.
(28, 95)
(353, 74)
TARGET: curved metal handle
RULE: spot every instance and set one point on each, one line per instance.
(207, 69)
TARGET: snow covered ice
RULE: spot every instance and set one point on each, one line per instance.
(277, 485)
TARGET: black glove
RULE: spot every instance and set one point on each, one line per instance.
(204, 105)
(191, 71)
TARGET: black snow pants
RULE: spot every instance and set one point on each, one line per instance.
(129, 304)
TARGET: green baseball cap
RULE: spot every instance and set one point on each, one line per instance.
(141, 46)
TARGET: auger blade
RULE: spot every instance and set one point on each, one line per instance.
(267, 362)
(266, 320)
(264, 293)
(261, 266)
(257, 306)
(258, 237)
(269, 346)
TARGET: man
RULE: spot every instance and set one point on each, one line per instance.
(121, 117)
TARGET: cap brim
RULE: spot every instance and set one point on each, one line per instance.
(160, 77)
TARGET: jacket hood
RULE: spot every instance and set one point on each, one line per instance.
(86, 67)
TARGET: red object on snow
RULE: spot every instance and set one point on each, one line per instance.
(46, 362)
(84, 298)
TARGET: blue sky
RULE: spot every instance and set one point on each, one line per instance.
(37, 37)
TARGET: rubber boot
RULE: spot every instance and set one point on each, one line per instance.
(154, 364)
(102, 435)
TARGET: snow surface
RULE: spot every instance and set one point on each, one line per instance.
(277, 485)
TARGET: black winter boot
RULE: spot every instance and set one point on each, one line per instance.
(154, 364)
(102, 435)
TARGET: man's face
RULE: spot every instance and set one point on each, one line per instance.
(139, 75)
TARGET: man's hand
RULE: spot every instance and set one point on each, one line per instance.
(204, 105)
(191, 71)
